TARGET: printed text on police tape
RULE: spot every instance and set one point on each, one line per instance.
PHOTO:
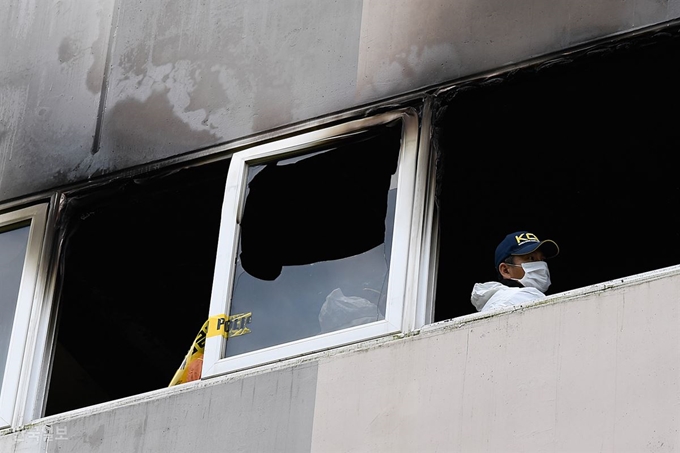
(229, 326)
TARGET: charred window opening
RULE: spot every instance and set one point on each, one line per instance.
(582, 153)
(136, 275)
(315, 240)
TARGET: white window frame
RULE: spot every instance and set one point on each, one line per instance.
(28, 288)
(402, 288)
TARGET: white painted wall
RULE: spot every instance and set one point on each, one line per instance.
(592, 370)
(597, 373)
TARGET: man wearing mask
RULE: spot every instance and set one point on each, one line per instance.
(523, 274)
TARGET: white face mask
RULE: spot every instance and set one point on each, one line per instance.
(536, 275)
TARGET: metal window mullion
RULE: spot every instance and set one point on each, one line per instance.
(38, 353)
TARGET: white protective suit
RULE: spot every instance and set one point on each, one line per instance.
(495, 296)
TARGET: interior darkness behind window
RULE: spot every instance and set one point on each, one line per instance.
(136, 274)
(583, 153)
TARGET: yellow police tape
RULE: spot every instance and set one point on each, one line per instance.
(229, 326)
(226, 326)
(192, 365)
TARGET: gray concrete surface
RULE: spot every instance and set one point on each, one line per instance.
(91, 88)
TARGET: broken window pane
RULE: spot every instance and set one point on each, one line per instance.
(315, 242)
(13, 245)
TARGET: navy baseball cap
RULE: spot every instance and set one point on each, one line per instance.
(522, 243)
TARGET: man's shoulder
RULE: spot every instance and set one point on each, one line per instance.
(508, 297)
(483, 292)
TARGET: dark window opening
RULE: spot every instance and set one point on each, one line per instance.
(582, 153)
(136, 276)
